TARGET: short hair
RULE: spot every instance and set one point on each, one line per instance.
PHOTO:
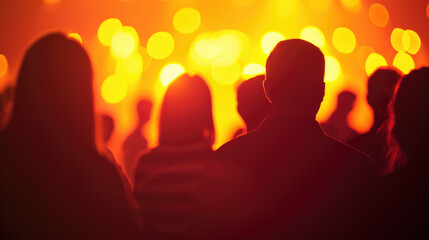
(381, 85)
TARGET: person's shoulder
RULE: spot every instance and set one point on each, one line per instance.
(238, 145)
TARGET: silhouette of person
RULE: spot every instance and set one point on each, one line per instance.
(252, 105)
(400, 198)
(166, 177)
(136, 142)
(381, 85)
(108, 127)
(287, 179)
(5, 105)
(54, 182)
(336, 126)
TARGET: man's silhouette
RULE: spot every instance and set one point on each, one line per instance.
(287, 179)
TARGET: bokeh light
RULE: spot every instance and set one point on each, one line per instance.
(313, 35)
(106, 30)
(352, 5)
(319, 5)
(378, 15)
(75, 36)
(124, 42)
(373, 62)
(3, 65)
(160, 45)
(403, 62)
(113, 89)
(270, 40)
(226, 70)
(252, 70)
(396, 39)
(130, 68)
(411, 41)
(362, 55)
(187, 20)
(242, 3)
(170, 72)
(207, 48)
(230, 43)
(332, 69)
(344, 40)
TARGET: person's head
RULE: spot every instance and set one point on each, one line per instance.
(144, 108)
(345, 101)
(252, 105)
(108, 127)
(186, 112)
(294, 77)
(54, 93)
(381, 85)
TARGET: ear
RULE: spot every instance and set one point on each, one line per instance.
(267, 90)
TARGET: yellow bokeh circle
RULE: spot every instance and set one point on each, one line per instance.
(160, 45)
(187, 20)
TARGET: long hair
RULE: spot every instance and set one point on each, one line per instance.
(186, 113)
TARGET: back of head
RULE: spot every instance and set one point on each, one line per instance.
(294, 77)
(108, 127)
(144, 108)
(186, 112)
(345, 101)
(54, 93)
(381, 85)
(411, 113)
(252, 104)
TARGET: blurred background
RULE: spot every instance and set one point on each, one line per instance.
(138, 46)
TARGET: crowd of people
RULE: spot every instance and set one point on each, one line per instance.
(284, 176)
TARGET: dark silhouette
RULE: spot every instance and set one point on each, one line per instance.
(166, 177)
(136, 142)
(400, 200)
(5, 105)
(108, 127)
(336, 126)
(287, 179)
(54, 182)
(381, 85)
(252, 105)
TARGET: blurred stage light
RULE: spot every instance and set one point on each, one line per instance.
(319, 5)
(3, 65)
(130, 68)
(187, 20)
(396, 39)
(332, 69)
(226, 70)
(270, 40)
(373, 62)
(362, 55)
(106, 30)
(352, 5)
(242, 3)
(230, 43)
(378, 15)
(170, 72)
(403, 62)
(160, 45)
(313, 35)
(411, 41)
(124, 42)
(252, 69)
(206, 47)
(75, 36)
(344, 40)
(113, 89)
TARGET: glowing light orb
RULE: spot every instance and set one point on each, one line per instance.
(362, 54)
(123, 43)
(113, 89)
(252, 70)
(226, 70)
(242, 3)
(396, 39)
(3, 65)
(230, 43)
(403, 62)
(332, 69)
(160, 45)
(75, 36)
(313, 35)
(270, 40)
(352, 5)
(170, 72)
(373, 62)
(106, 30)
(344, 40)
(378, 15)
(187, 20)
(131, 67)
(207, 48)
(411, 41)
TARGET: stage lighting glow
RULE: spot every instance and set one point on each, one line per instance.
(403, 62)
(411, 41)
(373, 62)
(270, 40)
(207, 48)
(51, 1)
(252, 70)
(313, 35)
(230, 43)
(130, 68)
(242, 3)
(332, 69)
(124, 42)
(344, 40)
(187, 20)
(352, 5)
(170, 72)
(147, 60)
(75, 36)
(320, 5)
(226, 70)
(396, 39)
(362, 54)
(3, 65)
(160, 45)
(378, 15)
(106, 30)
(113, 89)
